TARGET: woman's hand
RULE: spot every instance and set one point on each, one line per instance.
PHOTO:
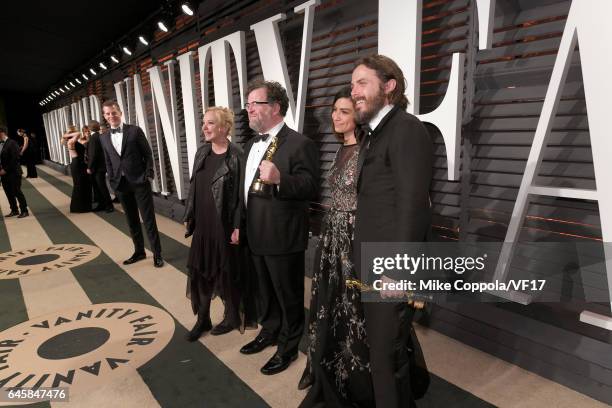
(235, 237)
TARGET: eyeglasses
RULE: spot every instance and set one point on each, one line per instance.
(255, 103)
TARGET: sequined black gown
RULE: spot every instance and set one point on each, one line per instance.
(338, 351)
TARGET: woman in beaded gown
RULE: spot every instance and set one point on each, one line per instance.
(338, 368)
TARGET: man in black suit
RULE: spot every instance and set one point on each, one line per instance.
(277, 225)
(96, 167)
(10, 175)
(129, 163)
(395, 170)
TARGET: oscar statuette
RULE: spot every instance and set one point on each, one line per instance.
(259, 187)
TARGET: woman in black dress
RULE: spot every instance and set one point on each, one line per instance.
(338, 365)
(212, 215)
(29, 153)
(76, 141)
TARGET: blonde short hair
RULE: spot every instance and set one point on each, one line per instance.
(225, 116)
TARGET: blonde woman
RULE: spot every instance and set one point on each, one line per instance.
(212, 216)
(81, 185)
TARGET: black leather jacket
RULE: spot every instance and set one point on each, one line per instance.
(225, 188)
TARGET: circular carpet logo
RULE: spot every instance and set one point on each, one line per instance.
(27, 262)
(81, 348)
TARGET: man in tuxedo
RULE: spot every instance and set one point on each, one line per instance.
(10, 175)
(394, 176)
(129, 163)
(96, 167)
(277, 225)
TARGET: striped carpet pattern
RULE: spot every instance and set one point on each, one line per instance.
(158, 368)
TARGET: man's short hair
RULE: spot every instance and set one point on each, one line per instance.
(94, 125)
(275, 91)
(386, 69)
(4, 130)
(111, 103)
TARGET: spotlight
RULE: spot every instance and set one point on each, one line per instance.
(67, 89)
(92, 71)
(162, 26)
(127, 50)
(102, 65)
(115, 60)
(78, 81)
(85, 77)
(62, 90)
(143, 40)
(72, 84)
(56, 93)
(187, 8)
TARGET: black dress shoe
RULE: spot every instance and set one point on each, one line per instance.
(306, 380)
(158, 261)
(23, 214)
(257, 345)
(277, 364)
(12, 214)
(222, 328)
(134, 258)
(201, 326)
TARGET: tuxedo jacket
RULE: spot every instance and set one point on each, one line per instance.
(95, 152)
(9, 159)
(279, 225)
(394, 177)
(136, 160)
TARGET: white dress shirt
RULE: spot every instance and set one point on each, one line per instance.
(255, 155)
(379, 116)
(117, 139)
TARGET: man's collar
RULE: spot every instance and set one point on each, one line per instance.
(375, 121)
(274, 130)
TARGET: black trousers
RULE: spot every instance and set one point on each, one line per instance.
(281, 295)
(12, 188)
(101, 194)
(388, 330)
(135, 198)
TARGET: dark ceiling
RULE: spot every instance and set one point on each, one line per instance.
(43, 42)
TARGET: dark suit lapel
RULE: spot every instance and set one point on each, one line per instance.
(369, 140)
(126, 132)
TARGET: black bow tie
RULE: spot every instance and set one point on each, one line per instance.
(118, 130)
(262, 138)
(2, 141)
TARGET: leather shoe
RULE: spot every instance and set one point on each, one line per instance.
(277, 364)
(12, 214)
(306, 380)
(199, 329)
(23, 214)
(257, 345)
(158, 261)
(134, 258)
(222, 328)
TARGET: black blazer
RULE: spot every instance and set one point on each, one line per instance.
(96, 154)
(225, 187)
(394, 177)
(279, 225)
(136, 160)
(9, 159)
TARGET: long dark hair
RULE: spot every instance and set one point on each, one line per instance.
(345, 93)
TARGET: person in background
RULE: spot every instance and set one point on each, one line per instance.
(29, 152)
(76, 142)
(10, 175)
(96, 168)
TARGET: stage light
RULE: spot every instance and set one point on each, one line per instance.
(143, 40)
(102, 65)
(67, 89)
(92, 71)
(78, 81)
(56, 93)
(85, 77)
(162, 25)
(187, 8)
(72, 84)
(127, 50)
(62, 90)
(115, 60)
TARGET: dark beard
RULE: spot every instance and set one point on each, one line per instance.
(376, 103)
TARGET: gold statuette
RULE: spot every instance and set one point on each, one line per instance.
(259, 187)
